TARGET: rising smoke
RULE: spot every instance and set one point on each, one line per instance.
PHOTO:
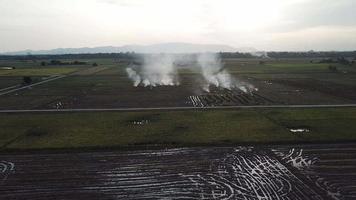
(136, 78)
(213, 72)
(156, 70)
(260, 54)
(161, 70)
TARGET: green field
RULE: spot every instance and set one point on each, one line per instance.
(175, 128)
(38, 71)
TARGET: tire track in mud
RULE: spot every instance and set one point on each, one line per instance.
(331, 168)
(184, 173)
(253, 175)
(6, 169)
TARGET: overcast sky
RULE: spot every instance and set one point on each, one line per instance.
(262, 24)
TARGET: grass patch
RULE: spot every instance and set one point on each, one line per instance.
(38, 71)
(106, 129)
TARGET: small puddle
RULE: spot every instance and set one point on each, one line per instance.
(142, 122)
(299, 130)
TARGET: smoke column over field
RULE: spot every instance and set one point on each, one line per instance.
(156, 70)
(161, 70)
(215, 74)
(136, 78)
(261, 54)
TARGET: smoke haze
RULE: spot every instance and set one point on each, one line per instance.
(215, 74)
(161, 70)
(156, 70)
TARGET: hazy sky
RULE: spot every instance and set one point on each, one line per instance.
(262, 24)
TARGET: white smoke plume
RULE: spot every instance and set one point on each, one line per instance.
(156, 70)
(161, 70)
(261, 54)
(136, 78)
(215, 74)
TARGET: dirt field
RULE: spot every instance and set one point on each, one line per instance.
(283, 81)
(243, 172)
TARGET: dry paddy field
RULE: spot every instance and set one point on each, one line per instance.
(279, 82)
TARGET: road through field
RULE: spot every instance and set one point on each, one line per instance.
(176, 108)
(16, 88)
(29, 86)
(9, 88)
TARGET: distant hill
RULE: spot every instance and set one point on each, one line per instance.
(155, 48)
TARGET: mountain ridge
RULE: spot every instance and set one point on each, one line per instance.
(154, 48)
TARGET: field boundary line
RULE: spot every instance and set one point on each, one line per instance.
(8, 88)
(175, 108)
(35, 84)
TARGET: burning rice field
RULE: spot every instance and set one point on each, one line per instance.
(243, 172)
(204, 80)
(214, 85)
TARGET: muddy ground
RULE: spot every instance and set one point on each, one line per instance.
(242, 172)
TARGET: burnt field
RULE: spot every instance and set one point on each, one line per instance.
(229, 98)
(243, 172)
(275, 82)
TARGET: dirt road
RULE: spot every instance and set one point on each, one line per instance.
(16, 88)
(177, 108)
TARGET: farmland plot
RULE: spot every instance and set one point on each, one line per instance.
(185, 173)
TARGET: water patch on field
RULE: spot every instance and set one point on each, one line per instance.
(140, 122)
(299, 130)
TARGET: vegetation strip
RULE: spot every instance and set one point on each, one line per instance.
(175, 128)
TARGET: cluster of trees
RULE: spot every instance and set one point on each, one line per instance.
(58, 62)
(26, 80)
(128, 55)
(313, 54)
(132, 55)
(339, 60)
(333, 68)
(340, 56)
(236, 55)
